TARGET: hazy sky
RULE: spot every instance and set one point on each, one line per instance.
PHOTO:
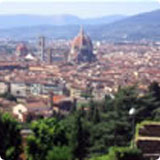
(79, 0)
(81, 8)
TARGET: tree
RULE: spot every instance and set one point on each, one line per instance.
(93, 130)
(153, 102)
(106, 104)
(154, 89)
(92, 107)
(146, 108)
(114, 127)
(10, 138)
(122, 153)
(8, 96)
(46, 135)
(96, 116)
(80, 138)
(59, 153)
(74, 106)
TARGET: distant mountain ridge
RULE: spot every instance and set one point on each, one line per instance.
(144, 26)
(10, 21)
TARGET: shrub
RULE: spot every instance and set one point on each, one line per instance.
(122, 153)
(59, 153)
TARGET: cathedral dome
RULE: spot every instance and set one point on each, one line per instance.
(21, 47)
(82, 40)
(81, 48)
(21, 50)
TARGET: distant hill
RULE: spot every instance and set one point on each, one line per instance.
(50, 31)
(144, 26)
(10, 21)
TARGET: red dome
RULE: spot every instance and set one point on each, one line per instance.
(21, 50)
(81, 40)
(81, 49)
(21, 47)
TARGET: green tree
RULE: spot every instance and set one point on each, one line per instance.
(114, 127)
(121, 153)
(92, 107)
(80, 138)
(147, 108)
(154, 89)
(59, 153)
(46, 135)
(74, 106)
(10, 138)
(8, 96)
(96, 116)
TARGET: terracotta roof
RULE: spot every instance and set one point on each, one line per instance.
(58, 98)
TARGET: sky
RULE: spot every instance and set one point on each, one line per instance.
(80, 8)
(37, 1)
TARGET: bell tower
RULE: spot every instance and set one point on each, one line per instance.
(42, 48)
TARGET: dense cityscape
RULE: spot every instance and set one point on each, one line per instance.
(65, 71)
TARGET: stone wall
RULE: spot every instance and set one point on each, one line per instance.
(148, 139)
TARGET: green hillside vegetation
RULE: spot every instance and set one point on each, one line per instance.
(103, 131)
(121, 153)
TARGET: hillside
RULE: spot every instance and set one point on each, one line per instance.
(143, 26)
